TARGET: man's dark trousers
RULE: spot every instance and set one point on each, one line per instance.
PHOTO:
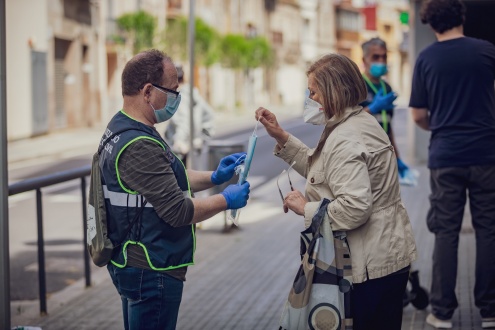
(447, 200)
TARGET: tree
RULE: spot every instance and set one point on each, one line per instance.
(244, 54)
(239, 52)
(205, 44)
(234, 51)
(140, 27)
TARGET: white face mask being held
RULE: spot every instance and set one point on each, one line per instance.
(313, 112)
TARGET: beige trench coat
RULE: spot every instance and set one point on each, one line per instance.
(354, 164)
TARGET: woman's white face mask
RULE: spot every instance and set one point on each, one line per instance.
(313, 112)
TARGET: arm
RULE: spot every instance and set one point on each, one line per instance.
(200, 180)
(288, 147)
(347, 176)
(205, 208)
(269, 120)
(233, 197)
(381, 102)
(392, 141)
(419, 100)
(421, 117)
(295, 150)
(144, 167)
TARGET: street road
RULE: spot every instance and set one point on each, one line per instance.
(62, 212)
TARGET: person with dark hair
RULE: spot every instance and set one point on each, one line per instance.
(355, 167)
(380, 98)
(453, 96)
(149, 200)
(177, 133)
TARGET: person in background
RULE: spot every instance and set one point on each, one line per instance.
(355, 167)
(141, 175)
(453, 96)
(178, 130)
(380, 98)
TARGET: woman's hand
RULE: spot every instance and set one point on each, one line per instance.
(269, 120)
(295, 201)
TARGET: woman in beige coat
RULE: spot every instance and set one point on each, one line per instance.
(353, 165)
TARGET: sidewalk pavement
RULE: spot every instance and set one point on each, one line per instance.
(241, 279)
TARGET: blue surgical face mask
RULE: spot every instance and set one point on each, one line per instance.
(378, 69)
(169, 109)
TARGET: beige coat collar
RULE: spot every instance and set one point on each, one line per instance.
(331, 124)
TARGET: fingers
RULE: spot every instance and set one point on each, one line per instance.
(261, 112)
(238, 154)
(264, 115)
(391, 96)
(233, 158)
(246, 185)
(295, 202)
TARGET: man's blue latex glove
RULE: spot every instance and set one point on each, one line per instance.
(382, 102)
(236, 195)
(226, 168)
(402, 167)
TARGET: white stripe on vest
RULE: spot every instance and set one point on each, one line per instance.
(125, 199)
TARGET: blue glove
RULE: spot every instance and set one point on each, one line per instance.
(236, 195)
(382, 102)
(226, 168)
(401, 167)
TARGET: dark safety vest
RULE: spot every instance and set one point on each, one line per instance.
(166, 247)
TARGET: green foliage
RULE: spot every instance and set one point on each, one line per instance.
(259, 52)
(141, 27)
(206, 41)
(118, 39)
(233, 50)
(174, 38)
(239, 52)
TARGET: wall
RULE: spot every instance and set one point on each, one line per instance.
(18, 58)
(421, 36)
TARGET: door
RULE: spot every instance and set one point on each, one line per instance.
(39, 107)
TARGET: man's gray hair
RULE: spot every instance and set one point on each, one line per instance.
(373, 42)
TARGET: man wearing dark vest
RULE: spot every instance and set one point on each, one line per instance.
(379, 102)
(141, 176)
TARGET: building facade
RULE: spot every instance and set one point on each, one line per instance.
(64, 66)
(56, 60)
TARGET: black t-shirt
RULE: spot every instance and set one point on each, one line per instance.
(454, 80)
(369, 99)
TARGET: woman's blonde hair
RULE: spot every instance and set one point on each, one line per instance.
(339, 82)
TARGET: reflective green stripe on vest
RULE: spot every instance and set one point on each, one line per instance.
(119, 199)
